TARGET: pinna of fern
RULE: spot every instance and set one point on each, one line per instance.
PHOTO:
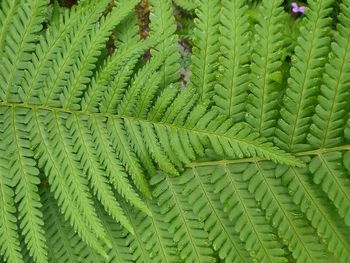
(231, 89)
(289, 204)
(95, 134)
(305, 77)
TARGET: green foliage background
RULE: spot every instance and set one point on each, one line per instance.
(109, 153)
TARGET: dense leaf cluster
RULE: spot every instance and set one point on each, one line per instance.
(106, 158)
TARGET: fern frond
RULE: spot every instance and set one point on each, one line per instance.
(25, 178)
(125, 153)
(206, 48)
(58, 75)
(136, 242)
(280, 210)
(147, 82)
(60, 238)
(191, 127)
(89, 124)
(126, 57)
(115, 171)
(163, 246)
(266, 69)
(333, 180)
(120, 250)
(167, 96)
(180, 105)
(206, 205)
(49, 46)
(69, 186)
(85, 148)
(188, 232)
(163, 24)
(140, 148)
(156, 150)
(8, 10)
(153, 242)
(224, 142)
(25, 252)
(10, 249)
(148, 94)
(112, 97)
(305, 77)
(128, 32)
(245, 214)
(20, 42)
(118, 70)
(86, 62)
(231, 91)
(317, 209)
(334, 100)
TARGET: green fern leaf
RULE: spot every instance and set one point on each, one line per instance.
(167, 96)
(163, 246)
(71, 189)
(266, 65)
(147, 75)
(163, 24)
(126, 155)
(188, 233)
(232, 89)
(305, 76)
(46, 51)
(60, 238)
(136, 242)
(98, 181)
(115, 171)
(206, 48)
(280, 210)
(104, 79)
(155, 149)
(329, 119)
(333, 181)
(120, 250)
(243, 211)
(19, 43)
(8, 10)
(59, 74)
(25, 252)
(317, 209)
(10, 248)
(85, 126)
(25, 177)
(24, 173)
(206, 205)
(113, 97)
(121, 65)
(201, 124)
(346, 161)
(153, 242)
(87, 61)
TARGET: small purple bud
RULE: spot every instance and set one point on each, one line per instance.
(302, 9)
(296, 9)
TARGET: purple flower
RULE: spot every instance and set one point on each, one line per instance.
(297, 9)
